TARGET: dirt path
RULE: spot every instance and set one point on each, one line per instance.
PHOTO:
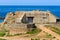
(49, 31)
(16, 38)
(29, 38)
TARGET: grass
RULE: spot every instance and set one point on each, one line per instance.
(9, 35)
(14, 34)
(54, 29)
(34, 39)
(2, 39)
(2, 33)
(34, 31)
(18, 34)
(49, 35)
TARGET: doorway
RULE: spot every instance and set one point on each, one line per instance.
(30, 19)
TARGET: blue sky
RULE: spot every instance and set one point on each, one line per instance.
(29, 2)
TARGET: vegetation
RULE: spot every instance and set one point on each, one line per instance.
(34, 31)
(6, 30)
(9, 35)
(18, 34)
(54, 29)
(2, 33)
(49, 35)
(34, 39)
(14, 34)
(2, 39)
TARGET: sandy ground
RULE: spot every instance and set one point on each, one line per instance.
(16, 38)
(29, 38)
(49, 31)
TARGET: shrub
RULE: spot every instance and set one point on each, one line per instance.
(14, 34)
(49, 35)
(18, 34)
(33, 31)
(34, 39)
(2, 33)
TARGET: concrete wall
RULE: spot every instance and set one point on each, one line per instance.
(40, 17)
(52, 18)
(16, 28)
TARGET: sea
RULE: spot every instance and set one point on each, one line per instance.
(12, 8)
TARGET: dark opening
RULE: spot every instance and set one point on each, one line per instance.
(57, 20)
(31, 26)
(13, 13)
(30, 19)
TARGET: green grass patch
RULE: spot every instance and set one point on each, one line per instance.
(49, 35)
(2, 39)
(57, 30)
(2, 33)
(54, 29)
(14, 34)
(9, 35)
(34, 31)
(18, 34)
(34, 39)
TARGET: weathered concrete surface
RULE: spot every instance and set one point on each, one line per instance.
(14, 19)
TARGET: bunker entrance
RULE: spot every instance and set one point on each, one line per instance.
(57, 20)
(30, 19)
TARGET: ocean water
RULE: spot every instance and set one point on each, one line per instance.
(5, 9)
